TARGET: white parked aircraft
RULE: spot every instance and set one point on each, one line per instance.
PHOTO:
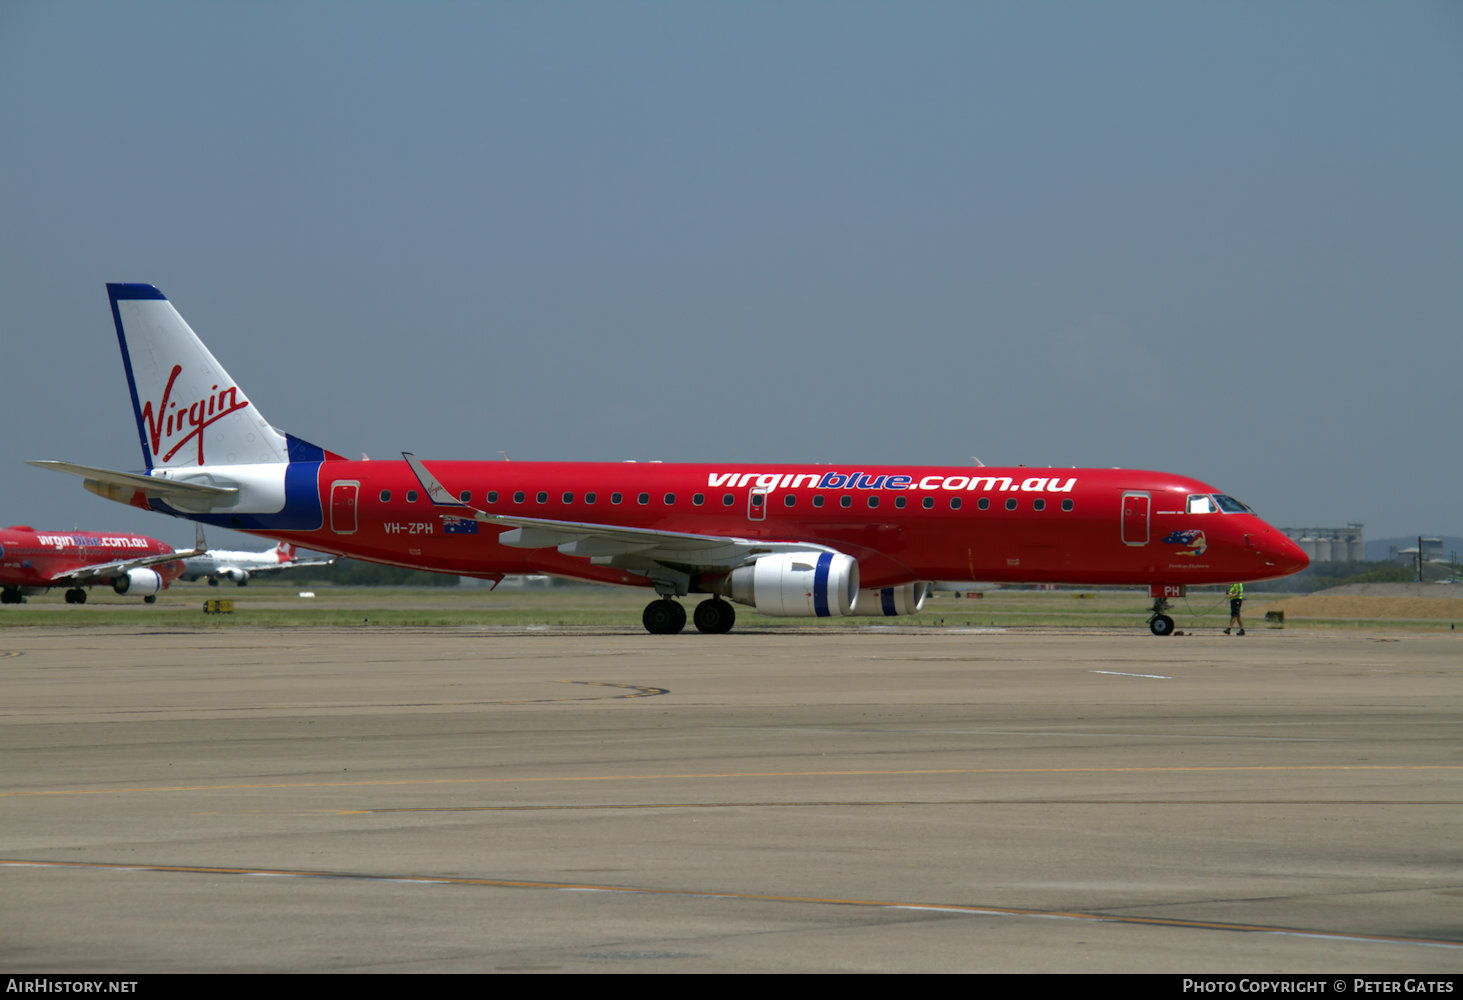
(239, 566)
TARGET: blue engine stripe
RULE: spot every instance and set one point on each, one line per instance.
(886, 599)
(820, 585)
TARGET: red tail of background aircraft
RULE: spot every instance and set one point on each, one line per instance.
(787, 540)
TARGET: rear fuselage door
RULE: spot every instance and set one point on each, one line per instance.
(757, 504)
(343, 506)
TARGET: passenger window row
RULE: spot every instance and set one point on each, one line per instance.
(729, 500)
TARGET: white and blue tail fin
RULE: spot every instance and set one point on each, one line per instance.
(189, 411)
(209, 453)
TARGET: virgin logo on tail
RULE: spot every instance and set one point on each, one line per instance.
(172, 418)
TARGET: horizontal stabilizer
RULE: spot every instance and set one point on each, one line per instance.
(152, 486)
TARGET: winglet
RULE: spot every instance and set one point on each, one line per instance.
(435, 491)
(200, 547)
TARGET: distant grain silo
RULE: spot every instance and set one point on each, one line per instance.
(1330, 544)
(1355, 545)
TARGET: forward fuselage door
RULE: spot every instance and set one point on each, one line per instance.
(1135, 517)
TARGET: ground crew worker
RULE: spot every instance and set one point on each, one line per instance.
(1236, 598)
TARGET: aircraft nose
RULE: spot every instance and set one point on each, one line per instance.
(1282, 553)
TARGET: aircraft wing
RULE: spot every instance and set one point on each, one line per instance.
(106, 571)
(605, 542)
(292, 564)
(310, 562)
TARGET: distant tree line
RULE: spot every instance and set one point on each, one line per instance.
(356, 573)
(1319, 576)
(1324, 575)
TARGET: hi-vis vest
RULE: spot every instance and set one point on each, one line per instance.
(1236, 592)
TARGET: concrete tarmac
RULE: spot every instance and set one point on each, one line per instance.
(871, 800)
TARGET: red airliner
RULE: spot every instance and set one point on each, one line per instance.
(32, 562)
(787, 540)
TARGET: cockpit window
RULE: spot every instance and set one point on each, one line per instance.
(1230, 505)
(1200, 503)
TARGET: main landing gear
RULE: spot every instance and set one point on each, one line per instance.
(11, 595)
(75, 596)
(664, 617)
(715, 616)
(1158, 622)
(667, 617)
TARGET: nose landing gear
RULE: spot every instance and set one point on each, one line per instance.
(1158, 622)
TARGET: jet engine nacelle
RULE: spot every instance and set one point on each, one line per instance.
(905, 599)
(796, 584)
(234, 575)
(138, 583)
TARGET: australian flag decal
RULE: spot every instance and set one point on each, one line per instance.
(1192, 539)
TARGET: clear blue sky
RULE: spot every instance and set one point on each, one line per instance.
(1219, 239)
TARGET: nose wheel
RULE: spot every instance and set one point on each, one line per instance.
(1158, 622)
